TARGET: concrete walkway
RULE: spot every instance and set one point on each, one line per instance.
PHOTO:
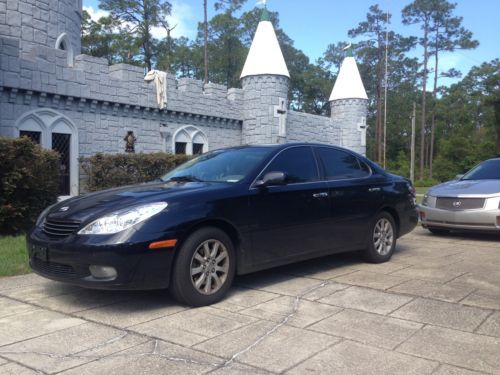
(434, 309)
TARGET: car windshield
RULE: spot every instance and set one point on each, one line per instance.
(488, 170)
(230, 165)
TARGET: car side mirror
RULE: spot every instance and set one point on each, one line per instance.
(458, 176)
(271, 178)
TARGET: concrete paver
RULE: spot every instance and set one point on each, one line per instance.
(366, 299)
(193, 326)
(430, 289)
(352, 358)
(443, 314)
(491, 326)
(307, 312)
(372, 329)
(15, 369)
(371, 279)
(33, 323)
(70, 347)
(435, 308)
(468, 350)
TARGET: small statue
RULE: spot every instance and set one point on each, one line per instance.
(130, 141)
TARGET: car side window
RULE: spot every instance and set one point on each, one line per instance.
(339, 165)
(297, 163)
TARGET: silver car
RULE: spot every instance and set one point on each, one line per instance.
(471, 202)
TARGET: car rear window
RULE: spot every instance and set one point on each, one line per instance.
(340, 165)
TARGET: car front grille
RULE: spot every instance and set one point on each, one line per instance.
(459, 204)
(53, 269)
(59, 229)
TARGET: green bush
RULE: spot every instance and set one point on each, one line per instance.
(29, 180)
(107, 171)
(426, 182)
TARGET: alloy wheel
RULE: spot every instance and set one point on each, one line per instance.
(383, 236)
(209, 266)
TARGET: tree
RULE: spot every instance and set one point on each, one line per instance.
(139, 18)
(374, 27)
(102, 38)
(447, 35)
(421, 12)
(370, 56)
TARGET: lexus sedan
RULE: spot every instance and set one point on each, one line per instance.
(471, 202)
(226, 212)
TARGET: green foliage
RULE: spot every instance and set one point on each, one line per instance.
(401, 165)
(29, 181)
(108, 171)
(13, 256)
(136, 19)
(426, 182)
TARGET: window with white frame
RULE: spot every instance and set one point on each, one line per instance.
(189, 140)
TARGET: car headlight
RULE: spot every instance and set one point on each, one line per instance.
(425, 200)
(123, 219)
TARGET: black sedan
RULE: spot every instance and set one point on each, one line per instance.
(226, 212)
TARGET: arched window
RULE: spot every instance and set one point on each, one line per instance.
(64, 44)
(54, 131)
(189, 140)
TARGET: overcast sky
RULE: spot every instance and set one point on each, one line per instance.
(314, 24)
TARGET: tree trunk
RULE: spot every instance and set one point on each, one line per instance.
(378, 117)
(434, 97)
(147, 38)
(424, 87)
(206, 40)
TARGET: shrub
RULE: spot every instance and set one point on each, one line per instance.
(107, 171)
(29, 181)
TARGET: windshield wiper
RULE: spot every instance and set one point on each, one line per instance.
(186, 178)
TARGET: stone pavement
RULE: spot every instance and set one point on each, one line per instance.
(433, 309)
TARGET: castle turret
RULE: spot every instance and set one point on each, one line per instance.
(348, 103)
(53, 24)
(265, 80)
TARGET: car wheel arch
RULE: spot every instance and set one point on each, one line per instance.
(223, 225)
(391, 211)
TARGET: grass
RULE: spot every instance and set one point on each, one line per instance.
(421, 190)
(13, 256)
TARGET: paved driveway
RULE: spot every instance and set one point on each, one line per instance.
(435, 308)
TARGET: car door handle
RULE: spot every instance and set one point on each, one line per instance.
(373, 189)
(320, 195)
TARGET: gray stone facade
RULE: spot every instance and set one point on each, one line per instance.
(46, 86)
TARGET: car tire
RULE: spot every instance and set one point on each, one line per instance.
(382, 239)
(204, 268)
(438, 231)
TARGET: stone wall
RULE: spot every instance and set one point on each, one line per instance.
(41, 22)
(305, 127)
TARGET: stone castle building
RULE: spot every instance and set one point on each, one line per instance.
(78, 105)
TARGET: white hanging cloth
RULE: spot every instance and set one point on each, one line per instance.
(160, 80)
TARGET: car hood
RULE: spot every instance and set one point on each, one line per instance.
(466, 188)
(94, 205)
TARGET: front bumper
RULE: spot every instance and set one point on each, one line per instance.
(68, 260)
(482, 220)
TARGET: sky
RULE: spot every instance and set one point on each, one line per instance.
(314, 24)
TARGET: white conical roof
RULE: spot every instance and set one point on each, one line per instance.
(348, 84)
(265, 55)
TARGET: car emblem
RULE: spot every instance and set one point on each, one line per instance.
(65, 208)
(457, 204)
